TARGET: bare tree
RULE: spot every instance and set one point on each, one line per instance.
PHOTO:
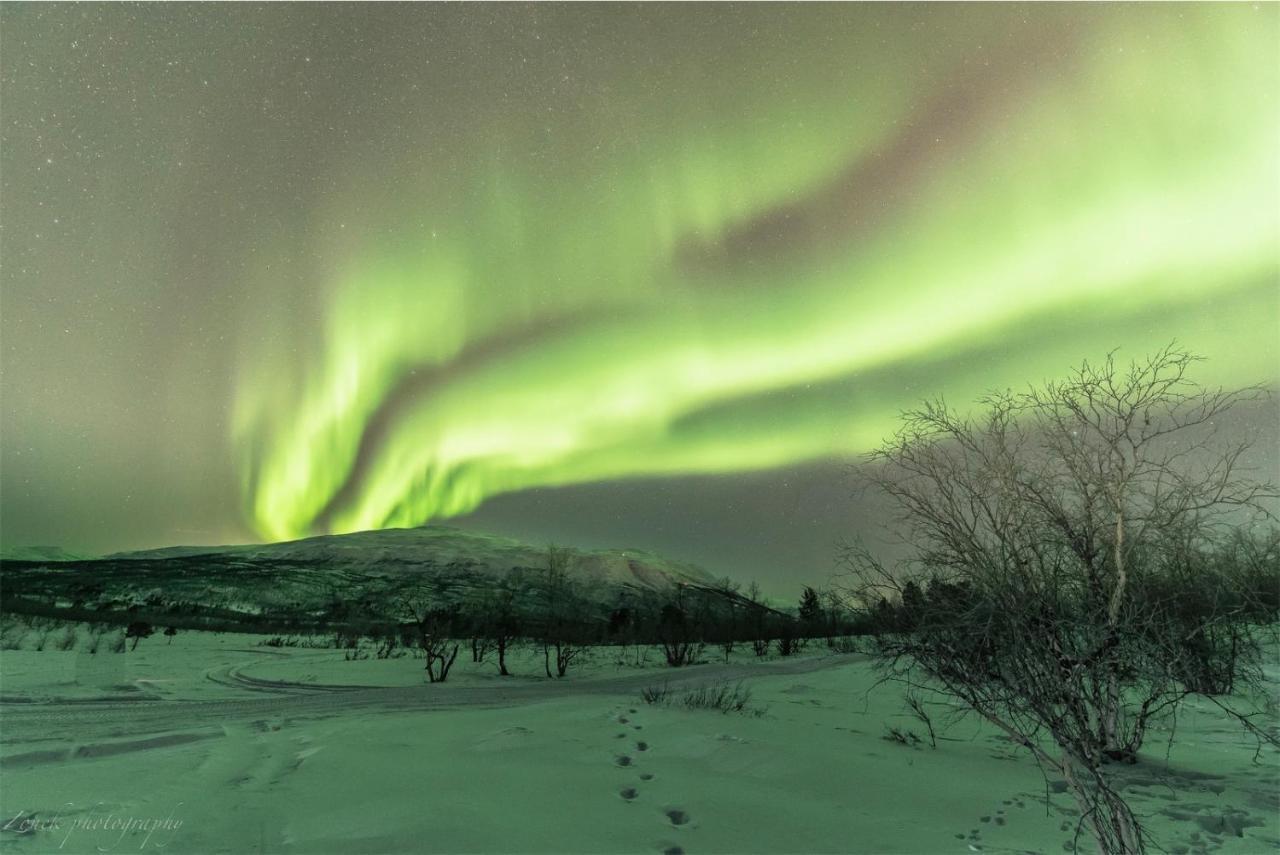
(137, 630)
(1053, 541)
(562, 610)
(679, 632)
(434, 620)
(728, 590)
(836, 610)
(386, 639)
(497, 622)
(481, 644)
(758, 616)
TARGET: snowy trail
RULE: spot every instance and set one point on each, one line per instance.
(86, 728)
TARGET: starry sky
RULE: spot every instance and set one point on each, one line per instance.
(612, 275)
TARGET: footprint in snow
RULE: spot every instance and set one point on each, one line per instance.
(628, 793)
(677, 816)
(623, 760)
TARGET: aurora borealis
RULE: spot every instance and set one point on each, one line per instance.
(293, 269)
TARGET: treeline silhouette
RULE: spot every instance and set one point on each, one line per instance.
(556, 606)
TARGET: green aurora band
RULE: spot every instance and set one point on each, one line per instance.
(720, 273)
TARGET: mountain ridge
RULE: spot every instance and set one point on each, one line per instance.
(303, 580)
(435, 543)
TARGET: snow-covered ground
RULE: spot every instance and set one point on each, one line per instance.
(213, 743)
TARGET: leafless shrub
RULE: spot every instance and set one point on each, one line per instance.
(655, 694)
(1075, 567)
(67, 641)
(386, 641)
(921, 712)
(901, 736)
(787, 643)
(723, 696)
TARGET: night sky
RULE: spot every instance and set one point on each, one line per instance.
(613, 275)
